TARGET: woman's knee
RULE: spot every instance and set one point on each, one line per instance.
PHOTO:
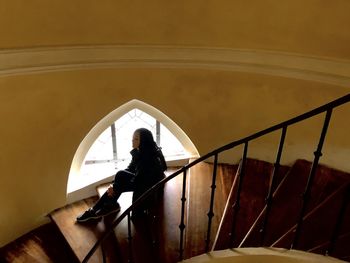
(123, 181)
(120, 176)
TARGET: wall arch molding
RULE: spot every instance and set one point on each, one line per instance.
(327, 70)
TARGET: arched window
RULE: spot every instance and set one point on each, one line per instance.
(99, 156)
(110, 152)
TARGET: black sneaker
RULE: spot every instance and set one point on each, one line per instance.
(87, 215)
(108, 209)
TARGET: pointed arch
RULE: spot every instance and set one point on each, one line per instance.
(107, 121)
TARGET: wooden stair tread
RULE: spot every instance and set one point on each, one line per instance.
(288, 199)
(252, 201)
(253, 237)
(327, 194)
(200, 180)
(159, 245)
(82, 236)
(156, 237)
(312, 233)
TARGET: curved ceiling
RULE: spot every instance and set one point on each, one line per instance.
(312, 28)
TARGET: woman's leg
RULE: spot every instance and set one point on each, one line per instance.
(103, 201)
(123, 182)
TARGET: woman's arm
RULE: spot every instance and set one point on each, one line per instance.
(161, 159)
(135, 157)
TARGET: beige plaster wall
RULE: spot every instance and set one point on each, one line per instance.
(44, 117)
(313, 27)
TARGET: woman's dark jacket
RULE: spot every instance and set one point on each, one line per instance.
(148, 169)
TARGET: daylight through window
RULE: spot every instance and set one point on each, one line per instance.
(110, 152)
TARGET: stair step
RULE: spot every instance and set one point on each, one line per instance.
(146, 245)
(80, 237)
(341, 249)
(315, 231)
(200, 180)
(155, 238)
(252, 200)
(253, 237)
(287, 201)
(327, 194)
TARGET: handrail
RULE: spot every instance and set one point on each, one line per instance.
(149, 192)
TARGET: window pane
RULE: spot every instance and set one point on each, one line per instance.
(102, 148)
(171, 146)
(125, 127)
(100, 156)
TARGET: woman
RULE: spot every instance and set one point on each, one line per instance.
(145, 169)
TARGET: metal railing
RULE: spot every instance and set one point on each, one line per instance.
(328, 108)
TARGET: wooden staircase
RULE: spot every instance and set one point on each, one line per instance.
(155, 238)
(328, 193)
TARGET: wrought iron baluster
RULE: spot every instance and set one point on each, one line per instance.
(306, 195)
(182, 224)
(271, 184)
(211, 213)
(237, 203)
(340, 221)
(130, 257)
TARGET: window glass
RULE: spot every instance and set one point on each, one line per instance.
(102, 149)
(100, 156)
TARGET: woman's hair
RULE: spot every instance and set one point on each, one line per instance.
(147, 143)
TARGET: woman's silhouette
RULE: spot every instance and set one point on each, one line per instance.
(145, 169)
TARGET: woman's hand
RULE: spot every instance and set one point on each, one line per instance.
(110, 191)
